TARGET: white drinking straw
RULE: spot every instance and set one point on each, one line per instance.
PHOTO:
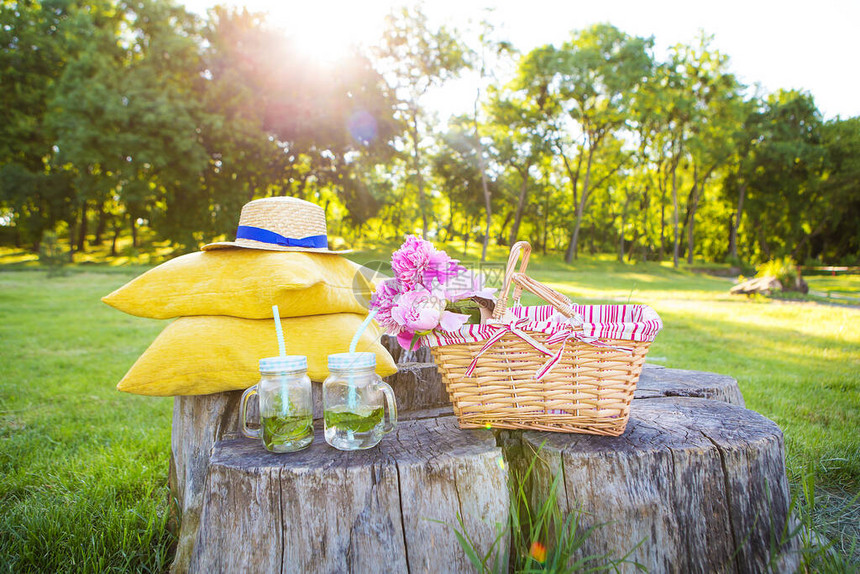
(354, 344)
(351, 398)
(282, 349)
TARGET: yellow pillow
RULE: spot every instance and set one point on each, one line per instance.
(245, 283)
(203, 355)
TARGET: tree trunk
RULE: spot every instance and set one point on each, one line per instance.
(627, 201)
(199, 422)
(675, 212)
(392, 508)
(81, 246)
(580, 209)
(632, 248)
(101, 225)
(524, 175)
(419, 178)
(693, 485)
(733, 241)
(545, 221)
(691, 222)
(449, 230)
(488, 208)
(133, 222)
(764, 246)
(661, 181)
(646, 205)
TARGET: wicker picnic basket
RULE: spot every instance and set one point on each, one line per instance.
(559, 367)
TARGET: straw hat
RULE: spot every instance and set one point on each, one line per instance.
(280, 224)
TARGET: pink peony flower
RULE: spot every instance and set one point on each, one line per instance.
(417, 262)
(420, 311)
(412, 304)
(383, 300)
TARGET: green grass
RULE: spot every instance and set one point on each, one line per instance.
(84, 466)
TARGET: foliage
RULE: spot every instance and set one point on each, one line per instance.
(783, 268)
(123, 118)
(52, 256)
(417, 58)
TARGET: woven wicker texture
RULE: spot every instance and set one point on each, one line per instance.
(588, 391)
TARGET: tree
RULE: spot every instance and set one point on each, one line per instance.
(783, 179)
(588, 86)
(459, 168)
(519, 139)
(417, 58)
(37, 40)
(837, 235)
(718, 110)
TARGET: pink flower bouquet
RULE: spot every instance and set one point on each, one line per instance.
(424, 293)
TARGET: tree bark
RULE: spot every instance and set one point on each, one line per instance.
(646, 205)
(733, 242)
(658, 382)
(675, 211)
(81, 245)
(419, 178)
(201, 421)
(580, 208)
(524, 175)
(117, 228)
(698, 485)
(691, 209)
(133, 223)
(101, 225)
(488, 208)
(545, 221)
(392, 508)
(662, 183)
(628, 198)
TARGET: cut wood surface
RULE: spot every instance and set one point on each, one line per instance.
(700, 483)
(200, 421)
(387, 509)
(656, 382)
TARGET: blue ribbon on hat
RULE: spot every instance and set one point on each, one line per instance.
(266, 236)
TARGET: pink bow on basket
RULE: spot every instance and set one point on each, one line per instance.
(502, 330)
(562, 337)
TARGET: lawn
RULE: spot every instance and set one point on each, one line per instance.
(85, 466)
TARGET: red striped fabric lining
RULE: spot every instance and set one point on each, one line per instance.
(623, 322)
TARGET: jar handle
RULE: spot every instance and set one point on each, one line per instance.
(392, 406)
(243, 408)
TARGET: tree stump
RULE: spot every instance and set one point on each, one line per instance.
(700, 483)
(200, 421)
(656, 382)
(392, 508)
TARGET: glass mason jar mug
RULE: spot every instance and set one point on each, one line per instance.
(286, 408)
(353, 406)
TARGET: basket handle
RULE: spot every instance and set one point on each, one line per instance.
(502, 303)
(523, 281)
